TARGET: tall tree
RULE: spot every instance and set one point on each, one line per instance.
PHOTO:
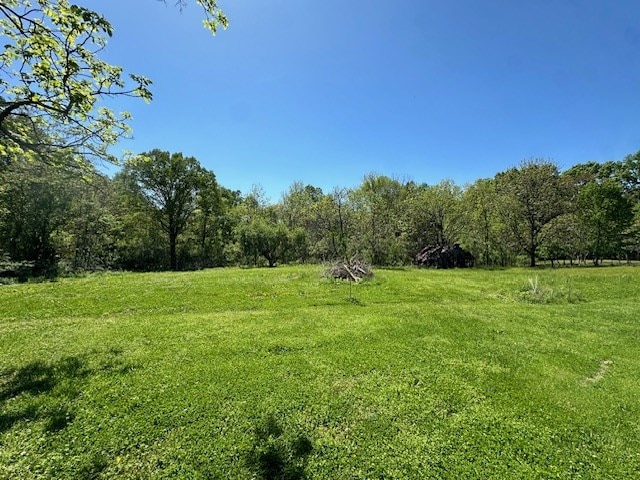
(629, 176)
(170, 184)
(209, 210)
(139, 242)
(301, 212)
(534, 194)
(332, 219)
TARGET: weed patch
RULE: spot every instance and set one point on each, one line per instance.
(534, 292)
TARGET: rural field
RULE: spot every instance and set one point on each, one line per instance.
(282, 374)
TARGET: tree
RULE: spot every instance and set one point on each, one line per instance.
(378, 212)
(209, 207)
(139, 242)
(332, 219)
(53, 81)
(534, 194)
(302, 211)
(297, 204)
(564, 237)
(88, 238)
(265, 238)
(432, 215)
(629, 176)
(607, 214)
(170, 184)
(484, 230)
(34, 204)
(632, 238)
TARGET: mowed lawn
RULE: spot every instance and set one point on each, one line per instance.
(281, 374)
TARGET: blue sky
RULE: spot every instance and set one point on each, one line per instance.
(326, 92)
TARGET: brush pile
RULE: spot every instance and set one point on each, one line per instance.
(445, 257)
(353, 270)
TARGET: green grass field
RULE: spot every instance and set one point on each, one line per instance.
(281, 374)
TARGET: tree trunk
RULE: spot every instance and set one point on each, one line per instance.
(173, 257)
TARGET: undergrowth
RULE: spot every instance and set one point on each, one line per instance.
(533, 292)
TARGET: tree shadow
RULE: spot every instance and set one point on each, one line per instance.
(276, 454)
(46, 391)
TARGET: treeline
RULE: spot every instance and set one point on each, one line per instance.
(165, 211)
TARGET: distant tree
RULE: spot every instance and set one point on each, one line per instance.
(139, 241)
(299, 209)
(90, 231)
(534, 194)
(432, 215)
(607, 214)
(484, 231)
(584, 173)
(170, 183)
(333, 219)
(625, 173)
(261, 237)
(564, 237)
(34, 206)
(632, 235)
(628, 173)
(297, 205)
(209, 211)
(377, 204)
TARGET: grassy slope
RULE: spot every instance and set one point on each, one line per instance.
(277, 374)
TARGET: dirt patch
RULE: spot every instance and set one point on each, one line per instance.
(602, 371)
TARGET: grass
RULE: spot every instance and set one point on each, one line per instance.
(280, 374)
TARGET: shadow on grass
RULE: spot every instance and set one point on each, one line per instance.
(276, 454)
(46, 391)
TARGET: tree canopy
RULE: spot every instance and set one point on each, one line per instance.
(169, 183)
(54, 83)
(164, 210)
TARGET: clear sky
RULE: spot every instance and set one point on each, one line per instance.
(326, 92)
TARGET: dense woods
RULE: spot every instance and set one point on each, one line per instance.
(166, 211)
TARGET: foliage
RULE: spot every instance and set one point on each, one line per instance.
(607, 214)
(262, 238)
(171, 184)
(54, 81)
(139, 242)
(378, 231)
(432, 215)
(34, 206)
(533, 194)
(564, 237)
(214, 18)
(87, 240)
(53, 78)
(485, 231)
(166, 211)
